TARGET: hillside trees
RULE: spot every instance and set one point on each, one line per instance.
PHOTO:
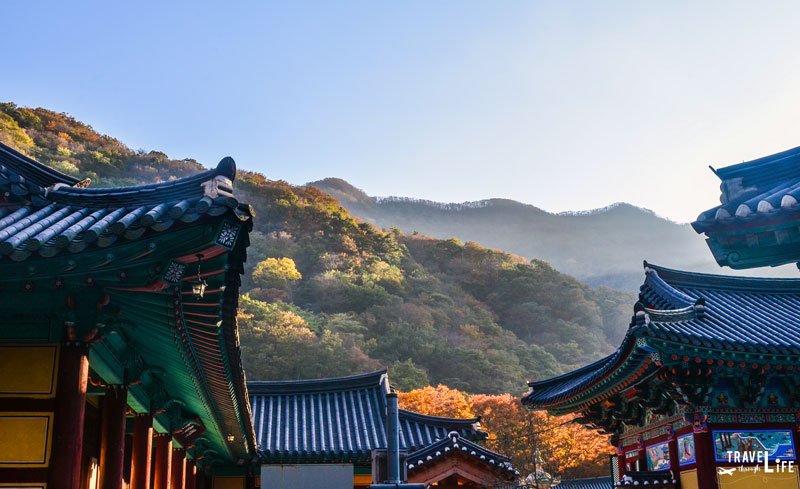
(559, 446)
(352, 297)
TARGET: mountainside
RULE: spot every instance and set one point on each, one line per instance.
(326, 295)
(600, 247)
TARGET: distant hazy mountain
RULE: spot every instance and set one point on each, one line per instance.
(601, 247)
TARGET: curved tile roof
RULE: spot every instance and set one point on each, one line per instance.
(338, 419)
(708, 311)
(755, 223)
(44, 214)
(756, 189)
(454, 443)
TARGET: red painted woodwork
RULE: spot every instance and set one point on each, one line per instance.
(674, 462)
(191, 475)
(161, 475)
(142, 451)
(178, 476)
(112, 448)
(706, 467)
(73, 375)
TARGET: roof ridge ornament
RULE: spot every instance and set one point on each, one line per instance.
(227, 168)
(700, 308)
(218, 186)
(640, 316)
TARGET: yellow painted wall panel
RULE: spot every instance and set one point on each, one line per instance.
(28, 370)
(25, 439)
(689, 479)
(228, 483)
(749, 480)
(362, 479)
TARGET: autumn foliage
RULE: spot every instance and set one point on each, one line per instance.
(563, 449)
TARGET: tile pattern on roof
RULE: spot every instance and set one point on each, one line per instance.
(723, 313)
(756, 190)
(44, 213)
(453, 443)
(338, 419)
(59, 218)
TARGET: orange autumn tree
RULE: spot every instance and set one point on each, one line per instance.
(437, 401)
(565, 449)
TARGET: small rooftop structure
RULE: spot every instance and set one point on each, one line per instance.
(459, 461)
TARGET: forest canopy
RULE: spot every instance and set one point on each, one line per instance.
(325, 294)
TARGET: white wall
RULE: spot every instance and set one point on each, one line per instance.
(307, 476)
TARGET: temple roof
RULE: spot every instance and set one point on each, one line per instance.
(454, 443)
(339, 419)
(758, 198)
(44, 213)
(679, 310)
(124, 260)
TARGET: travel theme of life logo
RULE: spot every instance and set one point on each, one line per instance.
(760, 459)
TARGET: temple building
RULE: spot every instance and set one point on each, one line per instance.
(336, 426)
(705, 373)
(704, 390)
(119, 355)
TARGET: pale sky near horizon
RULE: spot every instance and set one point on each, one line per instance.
(564, 105)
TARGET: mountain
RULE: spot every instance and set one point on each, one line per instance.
(325, 294)
(600, 247)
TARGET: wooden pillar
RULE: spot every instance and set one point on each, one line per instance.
(191, 474)
(200, 479)
(674, 462)
(641, 459)
(620, 462)
(142, 451)
(112, 448)
(250, 479)
(178, 478)
(73, 375)
(706, 466)
(161, 477)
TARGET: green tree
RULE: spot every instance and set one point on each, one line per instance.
(406, 376)
(275, 273)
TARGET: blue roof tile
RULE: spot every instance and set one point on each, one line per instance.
(45, 214)
(338, 419)
(454, 443)
(758, 198)
(713, 311)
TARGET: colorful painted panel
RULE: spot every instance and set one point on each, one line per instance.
(658, 456)
(778, 444)
(686, 454)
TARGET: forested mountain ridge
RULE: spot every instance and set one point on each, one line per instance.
(326, 294)
(600, 247)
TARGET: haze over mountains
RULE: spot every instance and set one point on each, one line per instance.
(601, 247)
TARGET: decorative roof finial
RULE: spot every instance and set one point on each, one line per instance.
(227, 168)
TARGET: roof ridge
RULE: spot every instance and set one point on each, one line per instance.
(42, 174)
(440, 419)
(735, 170)
(673, 277)
(663, 288)
(348, 382)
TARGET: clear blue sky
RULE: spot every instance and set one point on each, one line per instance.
(564, 105)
